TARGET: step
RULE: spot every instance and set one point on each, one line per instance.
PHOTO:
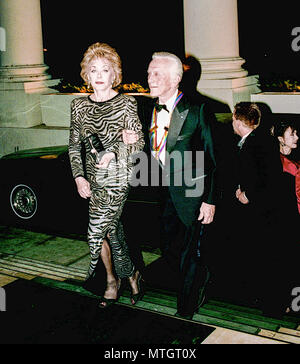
(32, 267)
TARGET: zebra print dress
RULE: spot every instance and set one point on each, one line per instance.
(109, 186)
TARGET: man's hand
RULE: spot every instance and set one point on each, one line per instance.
(241, 196)
(207, 213)
(105, 160)
(83, 187)
(129, 136)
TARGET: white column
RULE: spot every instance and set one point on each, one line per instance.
(23, 76)
(211, 36)
(23, 59)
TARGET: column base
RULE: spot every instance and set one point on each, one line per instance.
(20, 104)
(222, 68)
(229, 91)
(36, 72)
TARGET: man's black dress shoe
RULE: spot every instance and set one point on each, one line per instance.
(201, 299)
(184, 316)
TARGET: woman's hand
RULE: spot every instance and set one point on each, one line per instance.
(83, 187)
(129, 136)
(105, 160)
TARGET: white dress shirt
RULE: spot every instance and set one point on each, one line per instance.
(163, 121)
(242, 141)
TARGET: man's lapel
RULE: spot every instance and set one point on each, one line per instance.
(178, 118)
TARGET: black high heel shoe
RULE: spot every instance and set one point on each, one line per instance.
(134, 298)
(107, 302)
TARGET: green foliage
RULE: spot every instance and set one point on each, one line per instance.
(67, 87)
(279, 84)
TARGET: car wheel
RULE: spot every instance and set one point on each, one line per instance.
(23, 201)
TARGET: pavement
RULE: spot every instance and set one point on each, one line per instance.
(61, 262)
(38, 253)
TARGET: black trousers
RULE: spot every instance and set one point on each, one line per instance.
(261, 255)
(181, 250)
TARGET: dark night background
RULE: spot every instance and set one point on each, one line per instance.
(137, 28)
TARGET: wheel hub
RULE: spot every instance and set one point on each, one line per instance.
(23, 201)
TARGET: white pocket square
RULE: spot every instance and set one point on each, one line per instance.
(181, 137)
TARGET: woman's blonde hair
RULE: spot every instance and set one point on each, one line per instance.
(102, 50)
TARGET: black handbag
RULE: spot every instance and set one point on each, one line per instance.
(94, 146)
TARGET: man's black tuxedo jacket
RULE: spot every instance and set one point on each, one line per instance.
(189, 131)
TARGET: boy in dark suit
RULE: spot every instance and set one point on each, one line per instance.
(256, 219)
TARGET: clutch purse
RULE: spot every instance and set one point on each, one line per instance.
(94, 146)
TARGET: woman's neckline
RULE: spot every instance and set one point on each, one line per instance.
(103, 102)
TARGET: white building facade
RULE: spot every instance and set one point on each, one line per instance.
(211, 36)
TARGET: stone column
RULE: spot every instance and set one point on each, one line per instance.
(211, 36)
(22, 70)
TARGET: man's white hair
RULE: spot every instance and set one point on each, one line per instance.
(178, 68)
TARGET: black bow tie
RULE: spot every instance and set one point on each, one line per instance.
(159, 107)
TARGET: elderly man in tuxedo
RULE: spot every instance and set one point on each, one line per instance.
(176, 132)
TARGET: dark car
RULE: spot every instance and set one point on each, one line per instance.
(38, 192)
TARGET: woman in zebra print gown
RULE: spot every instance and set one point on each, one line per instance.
(97, 122)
